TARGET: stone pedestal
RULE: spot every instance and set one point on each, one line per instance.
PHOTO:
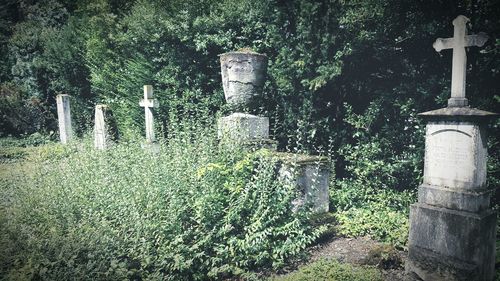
(245, 130)
(64, 118)
(452, 227)
(310, 175)
(105, 127)
(243, 127)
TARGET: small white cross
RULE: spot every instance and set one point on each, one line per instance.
(149, 103)
(459, 41)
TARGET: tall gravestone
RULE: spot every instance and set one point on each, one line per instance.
(452, 226)
(64, 118)
(104, 127)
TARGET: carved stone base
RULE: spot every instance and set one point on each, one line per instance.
(447, 244)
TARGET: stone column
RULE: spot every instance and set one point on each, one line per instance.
(64, 118)
(105, 128)
(452, 227)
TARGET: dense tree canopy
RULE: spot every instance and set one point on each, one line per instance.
(346, 77)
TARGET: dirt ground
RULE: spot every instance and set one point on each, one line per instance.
(362, 251)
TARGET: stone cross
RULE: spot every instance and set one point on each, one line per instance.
(64, 118)
(458, 43)
(149, 103)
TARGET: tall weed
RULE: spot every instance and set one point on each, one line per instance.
(194, 211)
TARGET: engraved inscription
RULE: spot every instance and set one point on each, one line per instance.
(449, 159)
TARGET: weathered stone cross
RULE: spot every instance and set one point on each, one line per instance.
(149, 103)
(459, 41)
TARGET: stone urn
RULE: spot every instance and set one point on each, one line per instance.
(243, 76)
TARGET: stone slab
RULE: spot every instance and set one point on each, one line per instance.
(464, 200)
(455, 155)
(242, 127)
(105, 128)
(463, 238)
(64, 118)
(310, 175)
(458, 114)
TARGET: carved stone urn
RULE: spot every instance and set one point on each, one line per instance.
(243, 76)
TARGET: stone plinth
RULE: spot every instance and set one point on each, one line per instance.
(447, 244)
(310, 175)
(105, 127)
(452, 227)
(242, 127)
(64, 118)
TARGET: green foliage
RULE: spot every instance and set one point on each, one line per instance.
(195, 211)
(345, 76)
(332, 270)
(381, 214)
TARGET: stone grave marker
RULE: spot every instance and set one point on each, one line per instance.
(243, 76)
(452, 226)
(149, 103)
(105, 128)
(64, 118)
(458, 43)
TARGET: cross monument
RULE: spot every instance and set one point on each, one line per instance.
(458, 43)
(149, 103)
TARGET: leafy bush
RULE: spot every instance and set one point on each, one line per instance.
(194, 211)
(332, 270)
(381, 214)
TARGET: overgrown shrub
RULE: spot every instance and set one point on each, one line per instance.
(381, 214)
(195, 211)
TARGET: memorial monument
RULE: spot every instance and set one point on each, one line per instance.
(452, 226)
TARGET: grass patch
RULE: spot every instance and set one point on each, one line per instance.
(331, 270)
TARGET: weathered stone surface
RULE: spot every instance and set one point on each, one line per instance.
(455, 155)
(242, 127)
(243, 75)
(456, 199)
(458, 43)
(64, 118)
(452, 227)
(447, 244)
(310, 175)
(149, 103)
(458, 114)
(105, 131)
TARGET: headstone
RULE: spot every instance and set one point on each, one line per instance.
(64, 118)
(149, 103)
(104, 128)
(452, 226)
